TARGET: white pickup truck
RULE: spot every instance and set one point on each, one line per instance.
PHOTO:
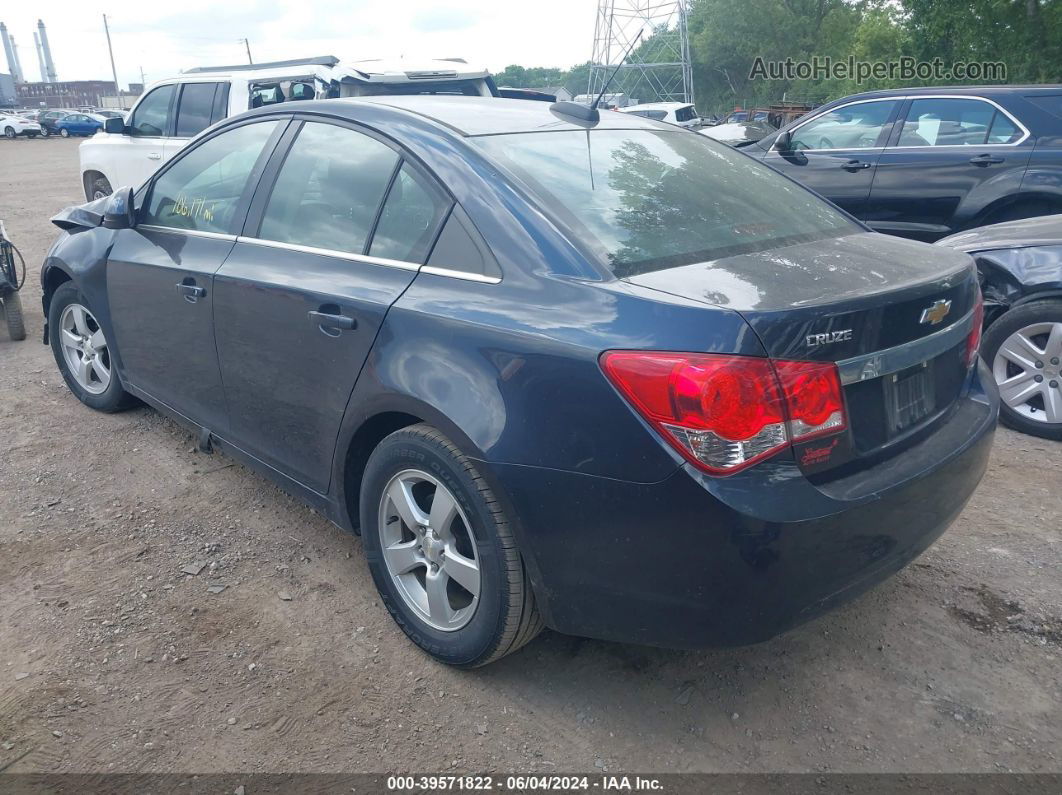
(173, 111)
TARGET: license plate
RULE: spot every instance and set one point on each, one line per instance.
(908, 396)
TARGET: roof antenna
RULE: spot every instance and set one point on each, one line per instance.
(590, 113)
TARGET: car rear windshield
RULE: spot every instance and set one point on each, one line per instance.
(645, 200)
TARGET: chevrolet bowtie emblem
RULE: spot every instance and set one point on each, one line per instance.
(936, 312)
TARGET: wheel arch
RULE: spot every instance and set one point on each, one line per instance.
(51, 279)
(1000, 206)
(88, 176)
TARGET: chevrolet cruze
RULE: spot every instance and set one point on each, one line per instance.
(593, 373)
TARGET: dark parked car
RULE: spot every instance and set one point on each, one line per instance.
(607, 376)
(1021, 276)
(47, 119)
(927, 162)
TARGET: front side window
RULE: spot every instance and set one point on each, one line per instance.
(946, 122)
(644, 200)
(201, 191)
(329, 189)
(152, 115)
(410, 218)
(197, 103)
(855, 126)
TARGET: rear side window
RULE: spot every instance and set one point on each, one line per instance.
(329, 189)
(947, 122)
(201, 191)
(1003, 130)
(195, 108)
(684, 114)
(410, 218)
(152, 115)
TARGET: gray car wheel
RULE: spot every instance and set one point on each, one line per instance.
(1024, 350)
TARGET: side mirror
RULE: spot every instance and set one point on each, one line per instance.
(119, 212)
(114, 126)
(784, 142)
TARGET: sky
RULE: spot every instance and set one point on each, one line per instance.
(164, 37)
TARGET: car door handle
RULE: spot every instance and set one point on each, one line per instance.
(191, 291)
(984, 160)
(332, 320)
(855, 165)
(154, 156)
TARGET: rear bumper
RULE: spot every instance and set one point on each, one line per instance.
(695, 561)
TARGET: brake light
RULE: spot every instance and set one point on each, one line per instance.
(724, 413)
(973, 339)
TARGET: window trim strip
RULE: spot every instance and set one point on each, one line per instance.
(996, 105)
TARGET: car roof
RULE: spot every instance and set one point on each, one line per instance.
(984, 90)
(659, 106)
(471, 116)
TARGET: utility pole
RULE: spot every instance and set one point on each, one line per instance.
(114, 72)
(247, 44)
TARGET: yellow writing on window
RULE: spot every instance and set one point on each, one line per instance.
(197, 208)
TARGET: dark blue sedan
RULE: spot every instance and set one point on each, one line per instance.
(598, 374)
(78, 124)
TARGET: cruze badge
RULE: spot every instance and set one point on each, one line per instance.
(815, 340)
(935, 312)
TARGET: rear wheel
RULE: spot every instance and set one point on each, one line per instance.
(16, 325)
(45, 132)
(1024, 350)
(64, 132)
(9, 132)
(83, 352)
(442, 552)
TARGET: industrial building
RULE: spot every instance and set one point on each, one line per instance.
(17, 90)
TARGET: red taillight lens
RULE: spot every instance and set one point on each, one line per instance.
(726, 412)
(813, 397)
(973, 339)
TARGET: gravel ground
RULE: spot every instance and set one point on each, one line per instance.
(277, 656)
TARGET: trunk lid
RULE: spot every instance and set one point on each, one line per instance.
(893, 314)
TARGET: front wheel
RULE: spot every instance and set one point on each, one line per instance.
(1024, 349)
(64, 132)
(99, 188)
(83, 352)
(442, 552)
(44, 132)
(9, 132)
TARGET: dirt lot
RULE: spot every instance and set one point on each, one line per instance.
(113, 659)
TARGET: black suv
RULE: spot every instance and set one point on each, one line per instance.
(928, 162)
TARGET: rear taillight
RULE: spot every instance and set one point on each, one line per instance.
(724, 413)
(973, 339)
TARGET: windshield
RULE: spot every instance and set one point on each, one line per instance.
(644, 200)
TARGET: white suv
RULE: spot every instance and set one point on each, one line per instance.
(681, 113)
(171, 112)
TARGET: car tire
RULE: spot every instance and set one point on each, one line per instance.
(44, 132)
(103, 394)
(63, 132)
(98, 189)
(467, 536)
(1024, 400)
(16, 324)
(9, 132)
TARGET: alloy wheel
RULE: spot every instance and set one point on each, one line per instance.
(85, 349)
(429, 550)
(1028, 369)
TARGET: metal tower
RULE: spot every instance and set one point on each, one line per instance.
(658, 68)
